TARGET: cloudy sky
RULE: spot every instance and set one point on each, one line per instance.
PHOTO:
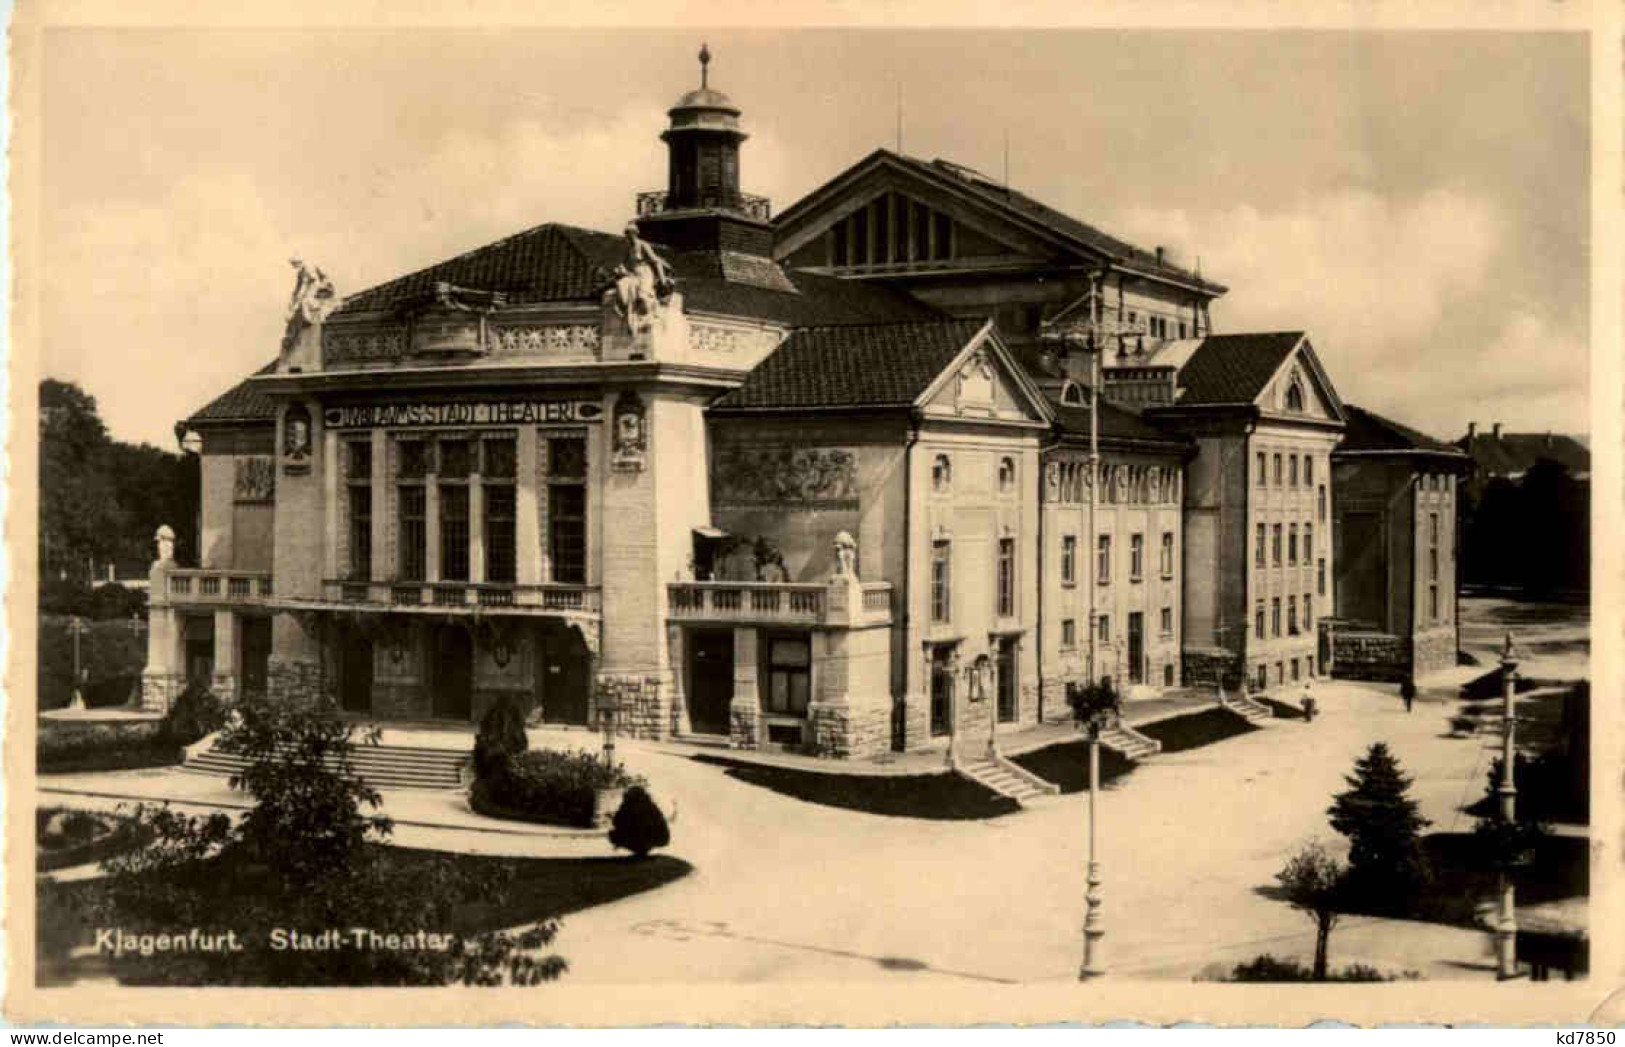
(1417, 201)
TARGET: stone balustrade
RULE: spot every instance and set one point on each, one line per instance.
(204, 587)
(779, 603)
(466, 595)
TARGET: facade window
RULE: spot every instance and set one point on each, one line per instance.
(452, 476)
(1168, 675)
(1308, 614)
(1294, 670)
(1167, 554)
(941, 581)
(1103, 559)
(1069, 632)
(1320, 503)
(1258, 553)
(497, 473)
(1007, 475)
(1069, 559)
(1277, 464)
(1275, 616)
(1308, 543)
(1103, 630)
(1433, 566)
(1292, 470)
(789, 675)
(567, 508)
(1292, 615)
(942, 474)
(1136, 557)
(1320, 576)
(360, 498)
(1294, 398)
(411, 500)
(1292, 545)
(1258, 621)
(1006, 595)
(1308, 470)
(1167, 621)
(1275, 545)
(1263, 473)
(1263, 677)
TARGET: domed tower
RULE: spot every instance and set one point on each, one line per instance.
(702, 208)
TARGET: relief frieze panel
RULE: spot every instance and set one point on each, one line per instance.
(1067, 481)
(794, 477)
(255, 479)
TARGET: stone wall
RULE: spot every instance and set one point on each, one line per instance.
(1055, 708)
(744, 726)
(916, 719)
(643, 700)
(1369, 656)
(159, 690)
(295, 681)
(843, 732)
(1208, 666)
(1433, 650)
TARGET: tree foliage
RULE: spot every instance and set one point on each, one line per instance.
(1313, 882)
(1384, 827)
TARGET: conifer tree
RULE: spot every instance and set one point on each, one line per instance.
(1383, 826)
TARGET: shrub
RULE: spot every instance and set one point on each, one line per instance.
(64, 747)
(502, 735)
(639, 826)
(1267, 968)
(194, 715)
(546, 786)
(1095, 705)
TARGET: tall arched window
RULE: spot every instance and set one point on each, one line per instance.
(1294, 397)
(1007, 475)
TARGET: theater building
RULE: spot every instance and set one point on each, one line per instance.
(820, 482)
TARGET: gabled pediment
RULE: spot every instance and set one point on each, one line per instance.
(1300, 388)
(984, 383)
(885, 215)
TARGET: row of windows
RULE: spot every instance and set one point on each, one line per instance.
(1261, 674)
(1004, 580)
(1290, 470)
(454, 469)
(1103, 558)
(1272, 533)
(942, 475)
(1291, 617)
(1103, 628)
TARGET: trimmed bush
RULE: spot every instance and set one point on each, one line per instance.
(64, 748)
(639, 826)
(195, 714)
(546, 786)
(502, 735)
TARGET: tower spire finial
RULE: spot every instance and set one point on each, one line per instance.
(705, 63)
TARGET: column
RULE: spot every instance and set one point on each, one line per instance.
(227, 650)
(476, 531)
(330, 500)
(164, 674)
(527, 508)
(383, 507)
(744, 711)
(431, 528)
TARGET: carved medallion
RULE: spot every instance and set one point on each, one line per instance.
(631, 440)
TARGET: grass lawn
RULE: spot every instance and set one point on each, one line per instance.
(1196, 730)
(1067, 765)
(943, 796)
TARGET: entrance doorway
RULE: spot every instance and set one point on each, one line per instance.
(256, 654)
(355, 670)
(1005, 665)
(1136, 647)
(561, 681)
(942, 689)
(453, 673)
(710, 679)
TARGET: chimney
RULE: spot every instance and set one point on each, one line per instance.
(1160, 253)
(1472, 431)
(1495, 430)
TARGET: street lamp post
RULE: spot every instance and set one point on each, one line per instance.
(77, 628)
(1506, 930)
(607, 715)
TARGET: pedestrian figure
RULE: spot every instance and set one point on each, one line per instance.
(1407, 691)
(1308, 702)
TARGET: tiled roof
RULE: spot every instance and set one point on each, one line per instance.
(1234, 368)
(1511, 454)
(1368, 431)
(817, 301)
(548, 263)
(243, 402)
(1115, 424)
(852, 365)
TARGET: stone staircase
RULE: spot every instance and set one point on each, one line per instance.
(1246, 708)
(380, 766)
(1129, 743)
(1006, 778)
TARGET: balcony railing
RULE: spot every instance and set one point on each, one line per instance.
(466, 595)
(207, 586)
(779, 603)
(758, 207)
